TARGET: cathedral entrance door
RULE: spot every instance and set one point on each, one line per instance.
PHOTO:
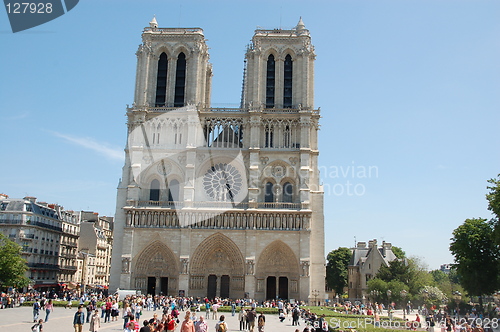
(271, 288)
(164, 285)
(283, 288)
(151, 285)
(212, 286)
(224, 286)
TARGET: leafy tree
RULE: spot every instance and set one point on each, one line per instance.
(433, 295)
(379, 288)
(12, 265)
(477, 257)
(411, 272)
(493, 198)
(398, 252)
(336, 269)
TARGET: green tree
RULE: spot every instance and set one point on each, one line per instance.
(12, 265)
(398, 252)
(411, 272)
(476, 257)
(493, 198)
(336, 269)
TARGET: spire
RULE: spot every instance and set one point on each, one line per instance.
(300, 26)
(153, 23)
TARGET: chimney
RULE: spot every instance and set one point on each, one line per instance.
(372, 244)
(30, 198)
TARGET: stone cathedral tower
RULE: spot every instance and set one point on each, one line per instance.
(221, 201)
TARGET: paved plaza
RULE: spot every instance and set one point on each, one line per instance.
(20, 319)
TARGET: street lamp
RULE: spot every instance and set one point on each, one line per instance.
(389, 292)
(458, 297)
(403, 296)
(315, 293)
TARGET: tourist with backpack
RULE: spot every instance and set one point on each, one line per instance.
(36, 310)
(38, 327)
(261, 322)
(221, 325)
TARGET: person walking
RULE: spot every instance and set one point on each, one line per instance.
(49, 307)
(251, 319)
(201, 325)
(221, 325)
(261, 322)
(38, 327)
(95, 322)
(187, 324)
(79, 319)
(36, 310)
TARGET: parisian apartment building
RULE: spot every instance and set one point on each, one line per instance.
(56, 243)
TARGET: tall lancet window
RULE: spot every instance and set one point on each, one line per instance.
(154, 190)
(270, 81)
(269, 194)
(161, 81)
(287, 84)
(180, 80)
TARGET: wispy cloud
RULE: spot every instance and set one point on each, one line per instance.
(91, 144)
(19, 116)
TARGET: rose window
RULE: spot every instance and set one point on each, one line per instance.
(222, 182)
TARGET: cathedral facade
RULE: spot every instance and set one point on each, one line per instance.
(221, 202)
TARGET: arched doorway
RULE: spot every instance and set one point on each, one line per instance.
(278, 271)
(217, 269)
(155, 270)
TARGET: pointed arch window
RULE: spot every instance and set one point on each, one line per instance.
(173, 191)
(270, 81)
(161, 80)
(288, 192)
(180, 80)
(269, 194)
(154, 190)
(287, 84)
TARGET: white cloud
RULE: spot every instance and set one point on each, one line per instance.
(92, 144)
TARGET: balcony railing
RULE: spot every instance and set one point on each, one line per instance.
(69, 267)
(223, 205)
(44, 225)
(43, 266)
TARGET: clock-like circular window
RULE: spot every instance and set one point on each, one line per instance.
(222, 182)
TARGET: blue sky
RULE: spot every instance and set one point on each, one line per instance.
(409, 90)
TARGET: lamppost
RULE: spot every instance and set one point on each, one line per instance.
(425, 294)
(389, 292)
(458, 297)
(403, 296)
(315, 293)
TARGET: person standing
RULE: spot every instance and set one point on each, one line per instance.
(207, 309)
(79, 319)
(201, 325)
(261, 322)
(95, 322)
(187, 324)
(49, 307)
(171, 324)
(242, 317)
(221, 325)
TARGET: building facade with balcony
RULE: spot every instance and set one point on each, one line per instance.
(221, 201)
(95, 245)
(48, 236)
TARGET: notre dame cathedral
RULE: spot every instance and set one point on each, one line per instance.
(221, 202)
